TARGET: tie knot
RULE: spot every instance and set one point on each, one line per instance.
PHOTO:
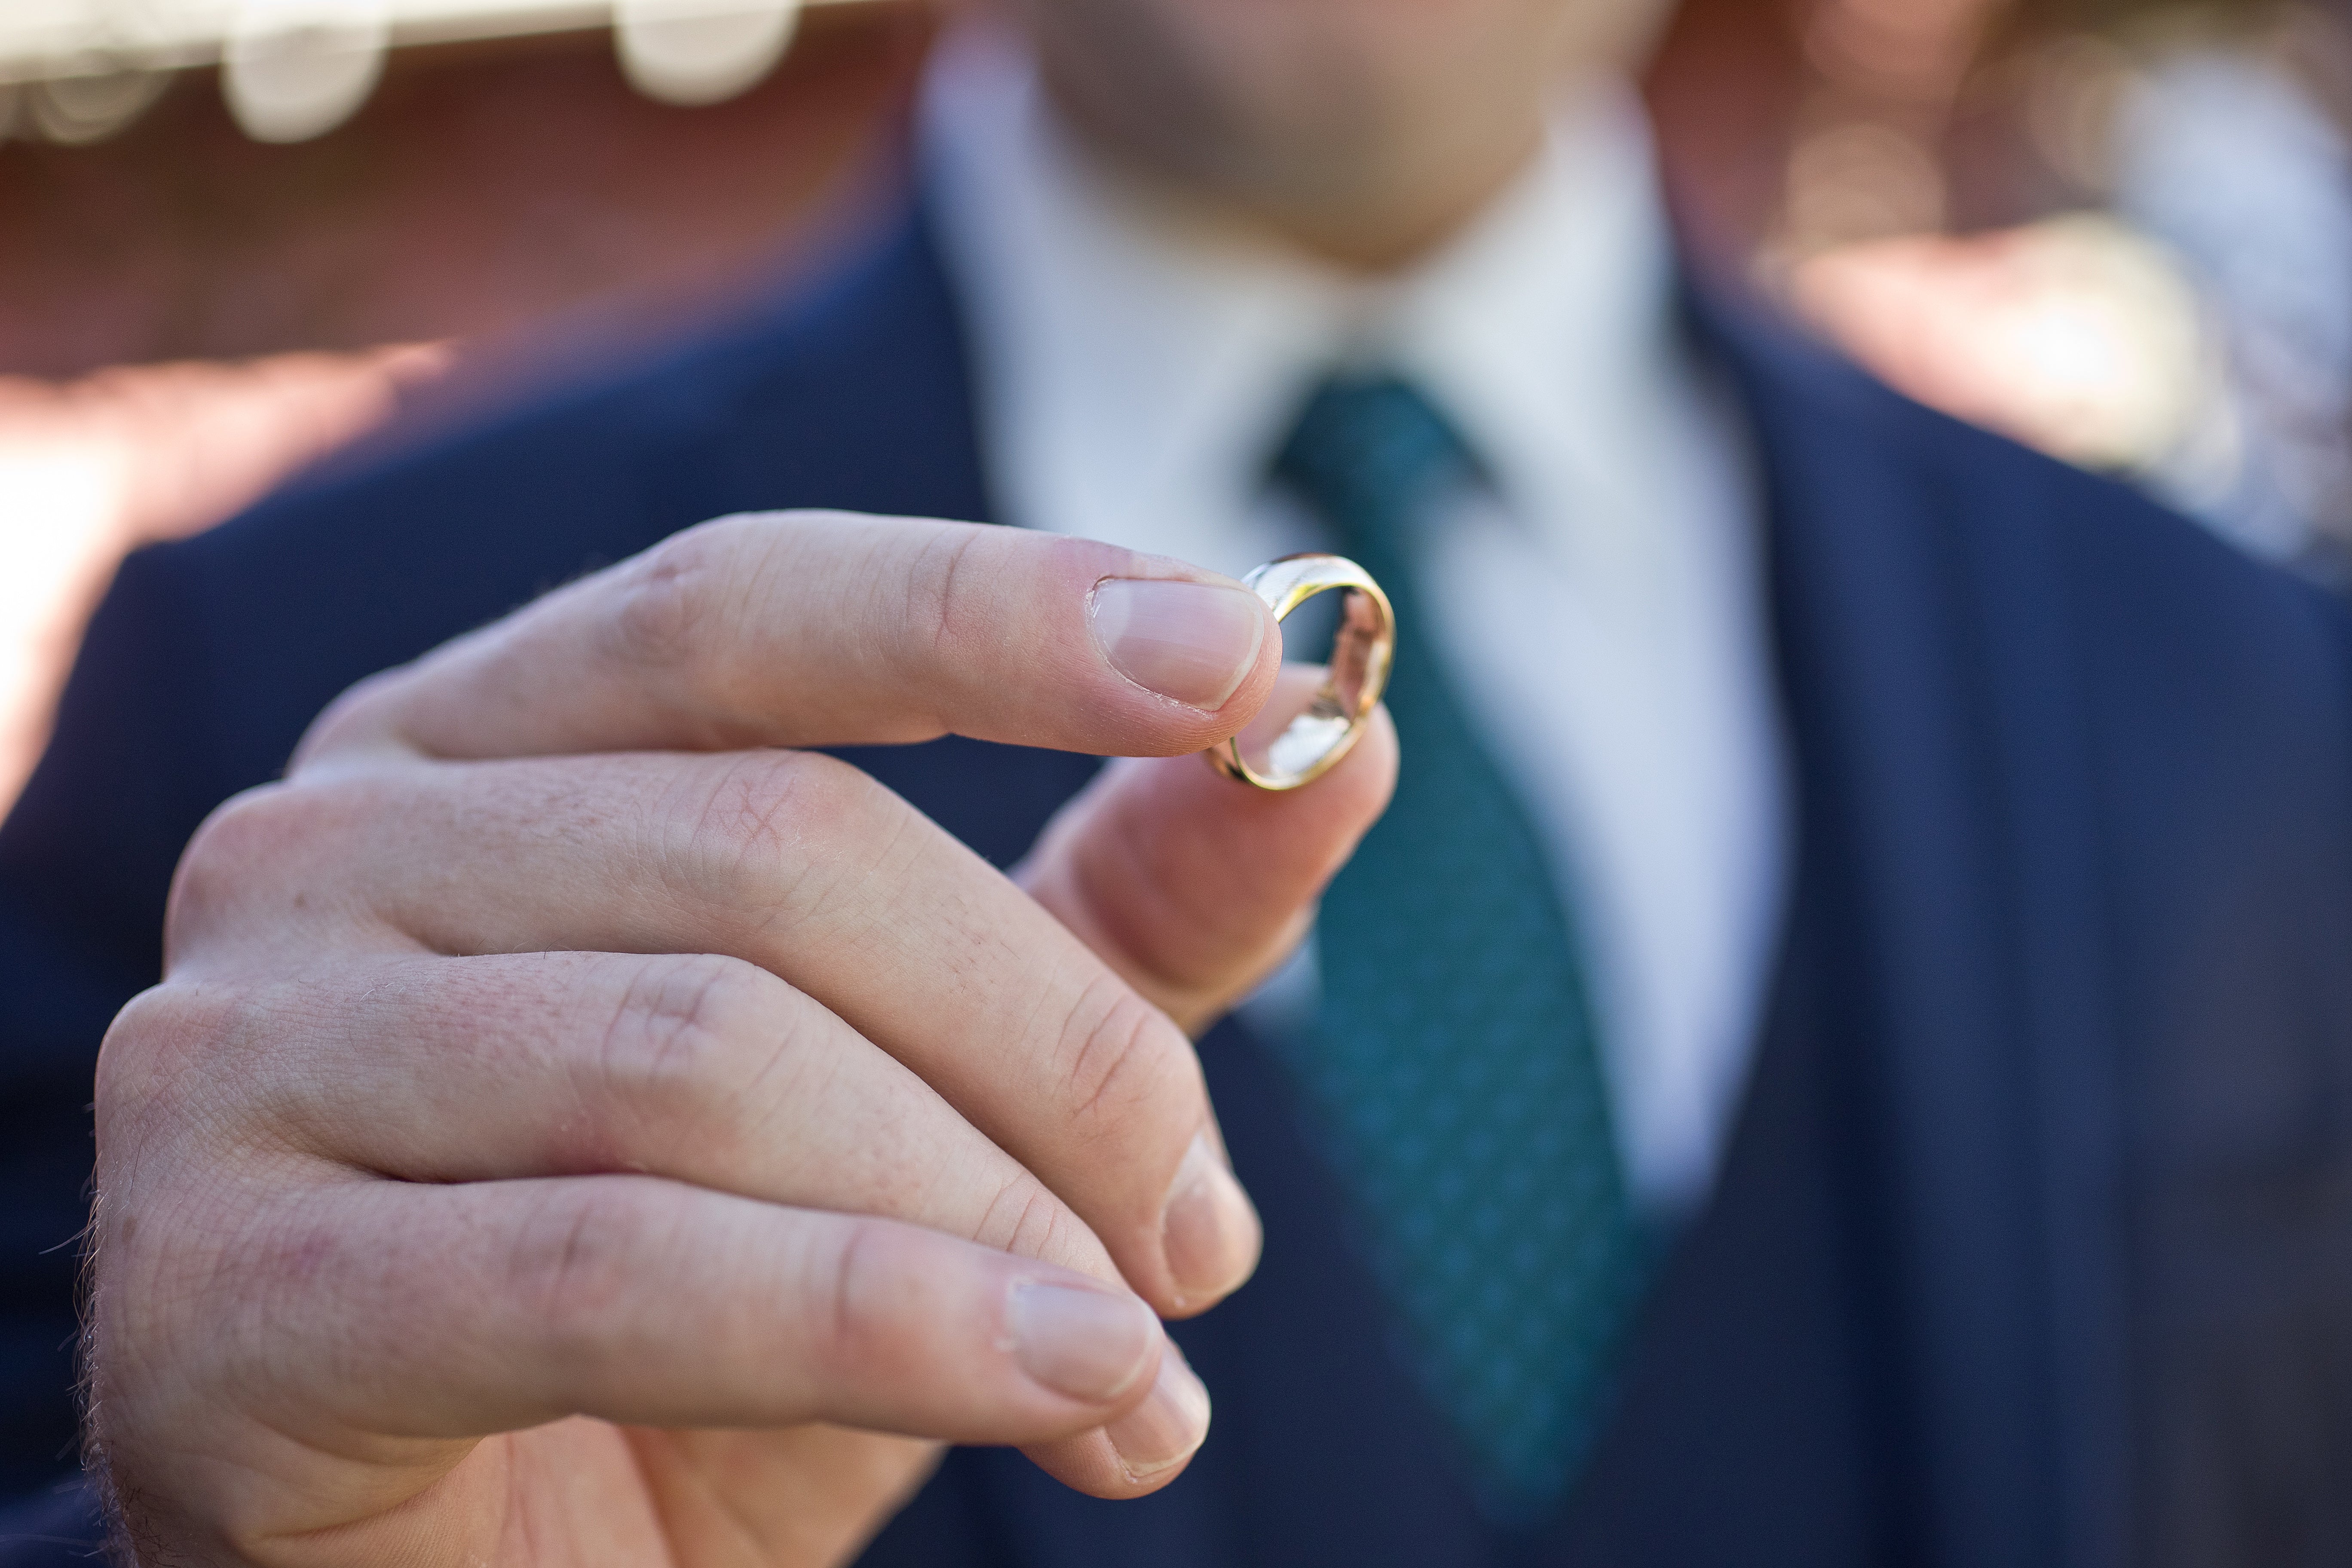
(1366, 453)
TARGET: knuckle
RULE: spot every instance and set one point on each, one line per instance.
(367, 709)
(666, 597)
(154, 1057)
(685, 608)
(1129, 1067)
(688, 1047)
(1023, 1217)
(770, 830)
(574, 1262)
(243, 837)
(252, 857)
(186, 1132)
(942, 597)
(151, 1025)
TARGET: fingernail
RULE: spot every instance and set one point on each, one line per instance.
(1208, 1228)
(1193, 642)
(1168, 1425)
(1089, 1344)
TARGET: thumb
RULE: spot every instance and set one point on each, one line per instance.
(1194, 887)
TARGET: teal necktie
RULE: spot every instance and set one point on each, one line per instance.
(1453, 1067)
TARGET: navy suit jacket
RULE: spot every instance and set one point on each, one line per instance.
(2033, 1244)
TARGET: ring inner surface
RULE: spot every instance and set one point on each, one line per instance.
(1314, 706)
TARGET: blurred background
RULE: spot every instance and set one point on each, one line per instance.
(237, 235)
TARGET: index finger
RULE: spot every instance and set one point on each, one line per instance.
(832, 628)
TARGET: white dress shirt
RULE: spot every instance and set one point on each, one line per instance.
(1601, 609)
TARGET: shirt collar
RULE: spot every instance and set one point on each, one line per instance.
(1139, 359)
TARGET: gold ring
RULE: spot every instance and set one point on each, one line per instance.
(1312, 744)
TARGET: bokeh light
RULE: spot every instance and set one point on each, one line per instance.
(292, 69)
(694, 52)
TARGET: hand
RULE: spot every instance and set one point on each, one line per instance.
(566, 1132)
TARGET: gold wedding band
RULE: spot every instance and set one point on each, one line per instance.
(1312, 744)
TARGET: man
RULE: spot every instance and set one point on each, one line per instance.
(1834, 1055)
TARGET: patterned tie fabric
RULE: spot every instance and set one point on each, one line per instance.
(1453, 1067)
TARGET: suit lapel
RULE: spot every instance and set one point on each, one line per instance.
(1934, 704)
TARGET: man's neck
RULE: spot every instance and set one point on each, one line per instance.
(1376, 228)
